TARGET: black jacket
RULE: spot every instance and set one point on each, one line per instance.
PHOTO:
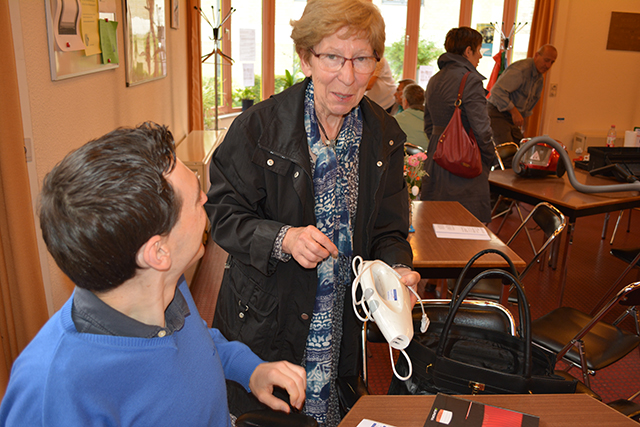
(261, 180)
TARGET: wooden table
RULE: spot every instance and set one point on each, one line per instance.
(554, 410)
(445, 258)
(560, 193)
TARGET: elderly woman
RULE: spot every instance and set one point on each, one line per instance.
(462, 55)
(302, 183)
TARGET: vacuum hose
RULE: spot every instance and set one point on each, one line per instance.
(583, 188)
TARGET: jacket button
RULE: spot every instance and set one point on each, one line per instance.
(304, 316)
(379, 164)
(241, 315)
(297, 174)
(391, 142)
(270, 162)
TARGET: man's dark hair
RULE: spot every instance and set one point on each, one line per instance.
(103, 201)
(458, 39)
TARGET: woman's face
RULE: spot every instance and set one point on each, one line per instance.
(473, 56)
(337, 92)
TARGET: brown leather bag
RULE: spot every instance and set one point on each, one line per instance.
(458, 150)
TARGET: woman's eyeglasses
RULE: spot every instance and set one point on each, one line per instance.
(332, 63)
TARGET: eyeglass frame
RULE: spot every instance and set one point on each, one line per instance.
(345, 59)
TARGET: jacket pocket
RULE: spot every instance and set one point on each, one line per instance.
(252, 313)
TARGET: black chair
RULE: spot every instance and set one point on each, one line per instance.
(270, 418)
(587, 341)
(412, 149)
(551, 221)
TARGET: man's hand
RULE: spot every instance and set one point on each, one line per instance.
(409, 278)
(308, 245)
(517, 118)
(283, 374)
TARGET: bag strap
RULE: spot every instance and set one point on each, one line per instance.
(525, 321)
(463, 274)
(458, 102)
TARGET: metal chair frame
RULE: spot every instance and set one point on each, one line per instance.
(629, 295)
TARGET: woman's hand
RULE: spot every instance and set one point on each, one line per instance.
(283, 374)
(409, 278)
(308, 246)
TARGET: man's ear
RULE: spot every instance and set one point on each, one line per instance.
(154, 254)
(468, 52)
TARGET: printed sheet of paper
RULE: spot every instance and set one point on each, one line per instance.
(369, 423)
(90, 28)
(447, 231)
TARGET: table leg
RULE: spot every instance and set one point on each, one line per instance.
(565, 259)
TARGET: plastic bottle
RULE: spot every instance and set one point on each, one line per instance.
(611, 136)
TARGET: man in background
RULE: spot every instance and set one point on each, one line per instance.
(397, 107)
(516, 93)
(124, 219)
(382, 87)
(411, 119)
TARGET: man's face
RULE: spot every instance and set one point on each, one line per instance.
(398, 94)
(185, 239)
(545, 60)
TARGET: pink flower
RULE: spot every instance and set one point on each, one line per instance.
(413, 161)
(421, 156)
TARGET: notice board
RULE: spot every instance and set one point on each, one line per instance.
(624, 31)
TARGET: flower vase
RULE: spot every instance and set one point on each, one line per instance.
(411, 229)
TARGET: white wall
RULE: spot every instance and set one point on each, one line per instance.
(596, 87)
(59, 116)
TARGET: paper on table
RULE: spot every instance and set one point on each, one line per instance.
(447, 231)
(369, 423)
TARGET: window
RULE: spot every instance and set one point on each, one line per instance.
(420, 34)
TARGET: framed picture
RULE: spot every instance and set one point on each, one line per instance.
(145, 41)
(175, 14)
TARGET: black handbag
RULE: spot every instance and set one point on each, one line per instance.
(464, 359)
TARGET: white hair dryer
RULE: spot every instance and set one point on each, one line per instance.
(386, 301)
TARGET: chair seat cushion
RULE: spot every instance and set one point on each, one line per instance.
(604, 344)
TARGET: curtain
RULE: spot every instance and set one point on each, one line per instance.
(194, 49)
(541, 24)
(23, 308)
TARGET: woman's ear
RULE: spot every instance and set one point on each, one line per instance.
(154, 254)
(304, 65)
(468, 52)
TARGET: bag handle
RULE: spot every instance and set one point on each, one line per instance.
(466, 268)
(458, 102)
(525, 320)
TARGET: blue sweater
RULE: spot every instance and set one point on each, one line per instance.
(66, 378)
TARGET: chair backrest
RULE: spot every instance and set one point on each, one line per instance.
(412, 149)
(504, 152)
(550, 220)
(483, 314)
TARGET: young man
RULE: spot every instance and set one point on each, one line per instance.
(516, 93)
(123, 218)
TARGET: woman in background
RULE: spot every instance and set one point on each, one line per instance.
(462, 54)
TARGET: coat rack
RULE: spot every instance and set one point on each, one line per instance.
(217, 37)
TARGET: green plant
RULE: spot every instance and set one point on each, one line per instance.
(250, 92)
(427, 53)
(209, 100)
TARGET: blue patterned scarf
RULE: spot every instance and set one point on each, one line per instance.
(335, 184)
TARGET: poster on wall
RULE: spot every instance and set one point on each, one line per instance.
(487, 38)
(145, 44)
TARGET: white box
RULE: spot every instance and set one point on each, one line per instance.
(592, 139)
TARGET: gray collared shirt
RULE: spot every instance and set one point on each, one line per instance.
(520, 86)
(91, 315)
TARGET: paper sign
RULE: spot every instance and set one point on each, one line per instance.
(447, 231)
(369, 423)
(108, 41)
